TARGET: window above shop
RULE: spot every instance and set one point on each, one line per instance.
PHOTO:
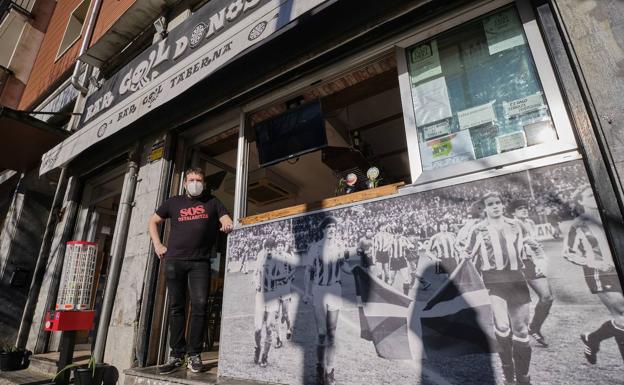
(475, 96)
(74, 27)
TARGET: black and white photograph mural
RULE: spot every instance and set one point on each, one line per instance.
(497, 281)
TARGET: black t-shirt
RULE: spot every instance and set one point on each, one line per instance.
(194, 225)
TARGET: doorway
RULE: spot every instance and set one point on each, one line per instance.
(216, 156)
(96, 223)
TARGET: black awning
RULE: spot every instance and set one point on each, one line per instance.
(24, 139)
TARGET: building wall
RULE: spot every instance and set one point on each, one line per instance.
(47, 70)
(109, 13)
(122, 332)
(20, 247)
(596, 31)
(21, 54)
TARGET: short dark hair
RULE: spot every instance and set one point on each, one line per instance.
(476, 209)
(269, 243)
(516, 204)
(194, 170)
(328, 221)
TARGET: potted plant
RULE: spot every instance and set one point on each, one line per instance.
(13, 358)
(91, 373)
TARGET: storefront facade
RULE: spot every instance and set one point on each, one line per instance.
(454, 103)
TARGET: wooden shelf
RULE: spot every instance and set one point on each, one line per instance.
(324, 204)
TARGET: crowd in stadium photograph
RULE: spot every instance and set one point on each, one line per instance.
(506, 280)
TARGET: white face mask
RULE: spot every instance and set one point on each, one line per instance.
(194, 188)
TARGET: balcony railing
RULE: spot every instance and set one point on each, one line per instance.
(22, 6)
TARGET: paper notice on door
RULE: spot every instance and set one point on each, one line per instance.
(476, 116)
(437, 129)
(447, 150)
(510, 141)
(503, 31)
(524, 105)
(540, 132)
(424, 61)
(431, 101)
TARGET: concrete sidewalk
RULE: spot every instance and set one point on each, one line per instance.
(26, 376)
(138, 376)
(150, 376)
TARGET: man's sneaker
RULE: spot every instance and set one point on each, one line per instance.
(195, 363)
(320, 374)
(289, 334)
(509, 374)
(538, 337)
(329, 379)
(173, 364)
(264, 361)
(523, 380)
(590, 349)
(278, 343)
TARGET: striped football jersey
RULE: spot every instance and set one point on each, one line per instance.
(324, 261)
(400, 245)
(268, 273)
(382, 241)
(499, 247)
(586, 244)
(442, 245)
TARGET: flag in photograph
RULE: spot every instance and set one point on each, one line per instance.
(458, 318)
(383, 316)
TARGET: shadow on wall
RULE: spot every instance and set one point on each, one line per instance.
(434, 348)
(450, 286)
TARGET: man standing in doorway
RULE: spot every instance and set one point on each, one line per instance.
(196, 218)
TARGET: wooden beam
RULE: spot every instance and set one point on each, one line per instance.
(324, 204)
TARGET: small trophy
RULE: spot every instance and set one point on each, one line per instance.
(373, 175)
(351, 181)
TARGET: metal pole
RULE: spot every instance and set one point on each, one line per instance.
(40, 266)
(242, 163)
(117, 254)
(84, 45)
(66, 355)
(163, 352)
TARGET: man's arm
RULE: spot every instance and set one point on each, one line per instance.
(159, 248)
(226, 223)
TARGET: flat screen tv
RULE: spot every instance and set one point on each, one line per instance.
(291, 134)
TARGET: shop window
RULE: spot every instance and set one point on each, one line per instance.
(477, 99)
(359, 114)
(74, 27)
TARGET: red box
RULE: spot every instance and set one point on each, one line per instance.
(68, 320)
